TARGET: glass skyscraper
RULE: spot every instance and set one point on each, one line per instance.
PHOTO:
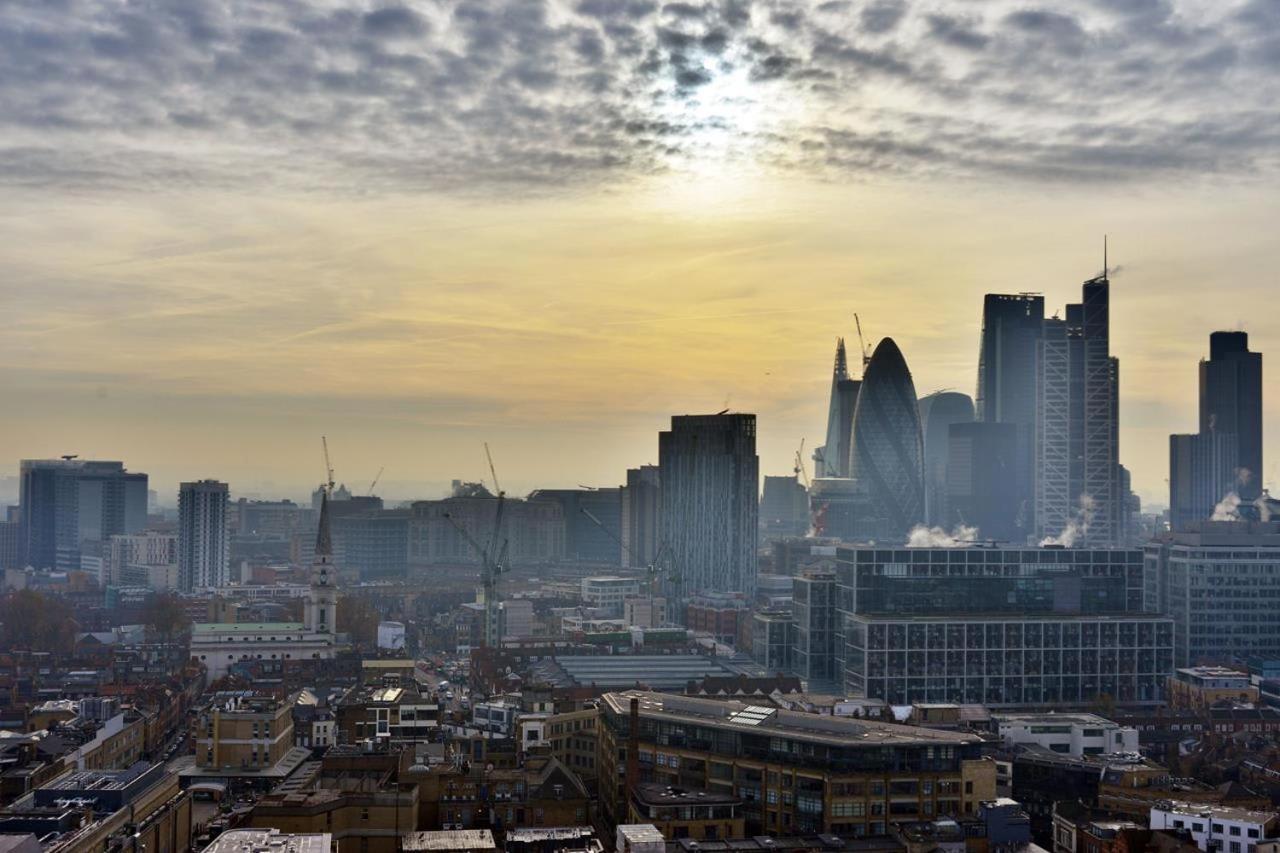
(888, 447)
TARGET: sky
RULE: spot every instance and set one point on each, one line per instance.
(231, 227)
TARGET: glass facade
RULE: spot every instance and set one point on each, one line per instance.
(888, 457)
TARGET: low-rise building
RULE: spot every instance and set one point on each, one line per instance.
(794, 771)
(241, 840)
(1070, 734)
(1217, 829)
(683, 813)
(1201, 687)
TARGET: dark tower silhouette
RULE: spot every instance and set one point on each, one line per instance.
(1231, 402)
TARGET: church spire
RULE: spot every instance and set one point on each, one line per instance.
(324, 538)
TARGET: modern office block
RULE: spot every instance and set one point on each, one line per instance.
(1202, 471)
(1078, 496)
(982, 482)
(813, 603)
(834, 458)
(641, 501)
(1000, 626)
(938, 413)
(1231, 402)
(70, 509)
(1220, 582)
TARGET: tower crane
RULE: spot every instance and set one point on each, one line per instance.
(376, 479)
(801, 474)
(328, 466)
(493, 557)
(862, 345)
(655, 566)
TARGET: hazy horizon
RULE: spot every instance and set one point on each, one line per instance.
(418, 227)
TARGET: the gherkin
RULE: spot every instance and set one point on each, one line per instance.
(888, 450)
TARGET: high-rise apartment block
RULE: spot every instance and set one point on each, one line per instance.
(1231, 402)
(70, 509)
(203, 541)
(710, 479)
(1078, 495)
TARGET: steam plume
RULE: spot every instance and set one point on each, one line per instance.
(1228, 509)
(935, 537)
(1076, 528)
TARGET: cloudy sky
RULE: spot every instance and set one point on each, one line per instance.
(232, 226)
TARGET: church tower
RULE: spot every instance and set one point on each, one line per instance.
(322, 600)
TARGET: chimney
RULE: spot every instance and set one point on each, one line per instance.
(633, 754)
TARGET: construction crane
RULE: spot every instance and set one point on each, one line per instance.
(328, 466)
(493, 557)
(376, 479)
(652, 570)
(862, 345)
(801, 474)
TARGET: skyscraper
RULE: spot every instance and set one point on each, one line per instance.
(1012, 325)
(640, 502)
(203, 547)
(1077, 437)
(833, 459)
(888, 448)
(1231, 402)
(710, 477)
(72, 507)
(982, 489)
(938, 412)
(1202, 470)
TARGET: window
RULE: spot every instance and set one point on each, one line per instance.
(1235, 830)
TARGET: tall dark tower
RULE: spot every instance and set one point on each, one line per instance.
(1231, 402)
(1012, 325)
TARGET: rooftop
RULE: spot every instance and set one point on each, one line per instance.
(245, 627)
(451, 840)
(655, 671)
(1079, 719)
(821, 728)
(1218, 812)
(658, 794)
(269, 841)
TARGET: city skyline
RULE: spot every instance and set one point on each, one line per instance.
(552, 226)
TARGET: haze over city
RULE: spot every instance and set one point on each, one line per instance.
(550, 226)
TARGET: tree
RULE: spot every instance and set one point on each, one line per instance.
(165, 616)
(37, 621)
(358, 618)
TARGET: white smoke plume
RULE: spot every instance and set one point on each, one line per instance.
(935, 537)
(1076, 528)
(1227, 509)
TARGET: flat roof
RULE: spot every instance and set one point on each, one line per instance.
(822, 728)
(450, 839)
(660, 794)
(657, 671)
(270, 841)
(247, 626)
(1081, 718)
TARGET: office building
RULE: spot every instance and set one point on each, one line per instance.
(710, 476)
(70, 508)
(534, 530)
(608, 593)
(10, 545)
(938, 413)
(1005, 627)
(373, 546)
(1078, 499)
(784, 508)
(793, 771)
(1199, 688)
(773, 639)
(1202, 471)
(834, 459)
(131, 557)
(982, 481)
(1012, 324)
(1231, 402)
(1220, 582)
(590, 538)
(203, 552)
(813, 601)
(640, 506)
(888, 447)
